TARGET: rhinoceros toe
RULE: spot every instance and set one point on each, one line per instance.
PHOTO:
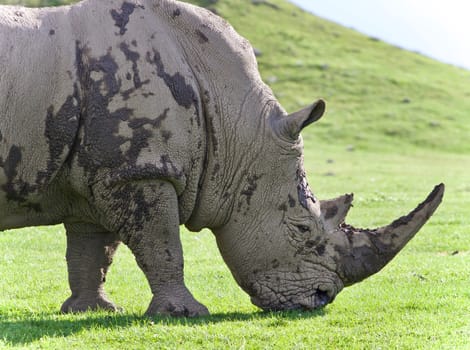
(77, 304)
(176, 307)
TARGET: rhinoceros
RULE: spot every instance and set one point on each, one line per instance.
(124, 119)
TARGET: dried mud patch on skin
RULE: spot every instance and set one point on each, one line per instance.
(61, 131)
(331, 212)
(404, 220)
(100, 144)
(250, 188)
(303, 189)
(132, 56)
(202, 38)
(182, 92)
(137, 210)
(176, 13)
(291, 201)
(121, 16)
(15, 188)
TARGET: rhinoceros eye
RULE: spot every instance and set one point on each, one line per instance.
(303, 228)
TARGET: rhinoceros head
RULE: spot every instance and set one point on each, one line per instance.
(289, 250)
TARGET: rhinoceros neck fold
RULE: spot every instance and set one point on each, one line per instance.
(230, 170)
(235, 105)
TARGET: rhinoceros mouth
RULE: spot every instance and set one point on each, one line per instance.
(282, 291)
(317, 300)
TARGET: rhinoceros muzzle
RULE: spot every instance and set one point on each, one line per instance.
(316, 300)
(311, 288)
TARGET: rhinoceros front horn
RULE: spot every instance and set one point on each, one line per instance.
(365, 251)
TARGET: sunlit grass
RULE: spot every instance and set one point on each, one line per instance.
(419, 300)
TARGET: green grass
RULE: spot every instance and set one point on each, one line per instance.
(421, 300)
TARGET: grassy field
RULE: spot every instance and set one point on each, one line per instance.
(397, 124)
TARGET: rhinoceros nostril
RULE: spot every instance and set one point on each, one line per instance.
(321, 298)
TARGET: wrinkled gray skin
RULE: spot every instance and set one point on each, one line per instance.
(123, 120)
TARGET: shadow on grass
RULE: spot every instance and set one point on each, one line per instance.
(27, 329)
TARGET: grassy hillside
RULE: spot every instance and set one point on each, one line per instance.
(379, 97)
(397, 124)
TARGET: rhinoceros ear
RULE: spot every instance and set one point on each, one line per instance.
(295, 122)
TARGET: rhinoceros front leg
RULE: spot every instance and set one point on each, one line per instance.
(146, 215)
(90, 251)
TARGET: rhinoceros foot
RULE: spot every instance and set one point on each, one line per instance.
(76, 304)
(176, 305)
